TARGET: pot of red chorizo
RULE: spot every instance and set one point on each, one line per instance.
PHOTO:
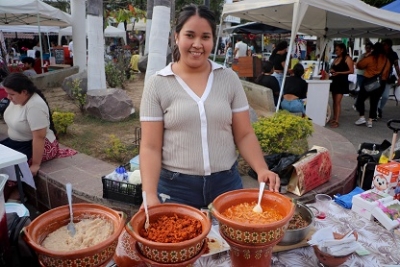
(176, 233)
(299, 226)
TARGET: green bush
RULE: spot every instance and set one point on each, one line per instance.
(115, 75)
(62, 120)
(283, 132)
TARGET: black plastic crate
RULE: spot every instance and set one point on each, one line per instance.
(122, 191)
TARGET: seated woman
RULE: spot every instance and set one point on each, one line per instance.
(266, 79)
(29, 63)
(295, 91)
(28, 118)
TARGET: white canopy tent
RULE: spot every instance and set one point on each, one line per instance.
(29, 28)
(32, 12)
(110, 31)
(323, 18)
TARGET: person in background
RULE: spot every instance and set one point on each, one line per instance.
(372, 64)
(30, 126)
(266, 79)
(295, 91)
(194, 115)
(360, 73)
(36, 47)
(240, 48)
(71, 51)
(134, 62)
(38, 63)
(394, 63)
(228, 55)
(29, 62)
(278, 58)
(340, 69)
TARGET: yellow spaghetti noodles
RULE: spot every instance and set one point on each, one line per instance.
(243, 213)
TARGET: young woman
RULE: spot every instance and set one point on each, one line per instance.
(278, 58)
(341, 67)
(373, 64)
(295, 91)
(194, 115)
(30, 127)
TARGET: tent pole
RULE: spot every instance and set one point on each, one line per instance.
(40, 42)
(48, 43)
(218, 35)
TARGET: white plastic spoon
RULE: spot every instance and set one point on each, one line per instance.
(257, 208)
(147, 222)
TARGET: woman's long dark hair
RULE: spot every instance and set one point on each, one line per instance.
(344, 50)
(377, 50)
(186, 13)
(267, 67)
(19, 82)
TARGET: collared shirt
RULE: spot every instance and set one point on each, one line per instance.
(198, 137)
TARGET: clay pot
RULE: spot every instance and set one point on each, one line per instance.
(48, 222)
(126, 254)
(330, 260)
(249, 255)
(169, 252)
(188, 263)
(255, 234)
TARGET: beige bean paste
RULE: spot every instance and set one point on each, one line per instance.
(89, 232)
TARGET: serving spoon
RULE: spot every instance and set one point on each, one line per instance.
(257, 208)
(147, 222)
(71, 226)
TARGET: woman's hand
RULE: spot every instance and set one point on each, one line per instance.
(270, 178)
(34, 169)
(152, 200)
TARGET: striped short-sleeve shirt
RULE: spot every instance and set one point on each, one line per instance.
(198, 137)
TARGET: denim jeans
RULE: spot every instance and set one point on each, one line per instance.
(384, 97)
(279, 77)
(294, 106)
(196, 190)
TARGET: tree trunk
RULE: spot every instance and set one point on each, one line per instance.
(159, 36)
(149, 19)
(96, 71)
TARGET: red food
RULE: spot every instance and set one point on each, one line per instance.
(172, 229)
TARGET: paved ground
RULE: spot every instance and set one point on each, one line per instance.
(359, 134)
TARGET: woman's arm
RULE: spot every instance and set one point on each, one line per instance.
(37, 149)
(250, 149)
(350, 64)
(150, 158)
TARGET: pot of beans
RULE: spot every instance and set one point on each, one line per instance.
(299, 225)
(177, 233)
(93, 244)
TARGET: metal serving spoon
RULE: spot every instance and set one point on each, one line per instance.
(257, 208)
(71, 226)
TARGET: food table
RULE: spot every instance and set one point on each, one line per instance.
(15, 165)
(382, 244)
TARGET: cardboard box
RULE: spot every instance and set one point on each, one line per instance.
(388, 214)
(363, 212)
(386, 177)
(364, 203)
(310, 171)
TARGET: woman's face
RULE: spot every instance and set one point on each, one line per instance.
(195, 42)
(17, 98)
(338, 51)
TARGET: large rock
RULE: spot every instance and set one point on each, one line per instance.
(67, 84)
(109, 104)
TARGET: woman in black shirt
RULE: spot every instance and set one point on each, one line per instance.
(295, 91)
(269, 81)
(278, 58)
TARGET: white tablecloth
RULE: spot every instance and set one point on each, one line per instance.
(10, 157)
(383, 245)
